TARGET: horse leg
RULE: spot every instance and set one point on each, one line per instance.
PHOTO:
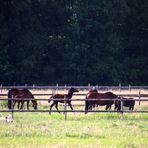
(86, 106)
(13, 104)
(51, 107)
(22, 104)
(110, 107)
(89, 107)
(27, 104)
(56, 106)
(18, 106)
(69, 103)
(132, 107)
(107, 106)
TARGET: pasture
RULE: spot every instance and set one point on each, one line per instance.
(80, 130)
(91, 130)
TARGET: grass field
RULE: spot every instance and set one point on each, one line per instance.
(91, 130)
(35, 130)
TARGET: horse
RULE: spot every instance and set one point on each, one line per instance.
(128, 102)
(95, 95)
(62, 96)
(92, 90)
(19, 95)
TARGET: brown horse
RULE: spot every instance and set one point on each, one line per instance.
(62, 96)
(19, 95)
(128, 102)
(92, 90)
(98, 96)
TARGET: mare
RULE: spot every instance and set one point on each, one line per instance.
(98, 96)
(128, 102)
(61, 97)
(19, 95)
(92, 90)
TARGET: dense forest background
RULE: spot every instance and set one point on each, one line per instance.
(74, 42)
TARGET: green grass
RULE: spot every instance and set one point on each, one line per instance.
(91, 130)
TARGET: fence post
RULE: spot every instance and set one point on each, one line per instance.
(129, 87)
(1, 88)
(65, 108)
(139, 97)
(122, 109)
(53, 91)
(120, 87)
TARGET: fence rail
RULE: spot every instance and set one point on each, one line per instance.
(77, 111)
(65, 111)
(78, 87)
(57, 99)
(84, 94)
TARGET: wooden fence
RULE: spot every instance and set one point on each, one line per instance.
(65, 111)
(119, 87)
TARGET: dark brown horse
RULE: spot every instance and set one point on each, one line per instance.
(19, 95)
(127, 102)
(92, 90)
(98, 96)
(62, 96)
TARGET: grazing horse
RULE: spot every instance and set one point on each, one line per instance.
(62, 96)
(19, 95)
(108, 95)
(128, 102)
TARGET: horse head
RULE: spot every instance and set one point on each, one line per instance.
(34, 104)
(72, 90)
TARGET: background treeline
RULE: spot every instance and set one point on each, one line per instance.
(74, 42)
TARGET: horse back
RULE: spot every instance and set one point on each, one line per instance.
(58, 96)
(129, 102)
(101, 95)
(19, 93)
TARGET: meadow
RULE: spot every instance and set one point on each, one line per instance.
(92, 130)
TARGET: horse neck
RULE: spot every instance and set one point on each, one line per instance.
(32, 98)
(69, 95)
(33, 101)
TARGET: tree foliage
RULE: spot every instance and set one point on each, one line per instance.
(73, 42)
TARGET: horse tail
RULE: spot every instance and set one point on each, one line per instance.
(86, 105)
(133, 104)
(9, 101)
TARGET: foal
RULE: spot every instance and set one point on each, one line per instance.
(127, 102)
(62, 96)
